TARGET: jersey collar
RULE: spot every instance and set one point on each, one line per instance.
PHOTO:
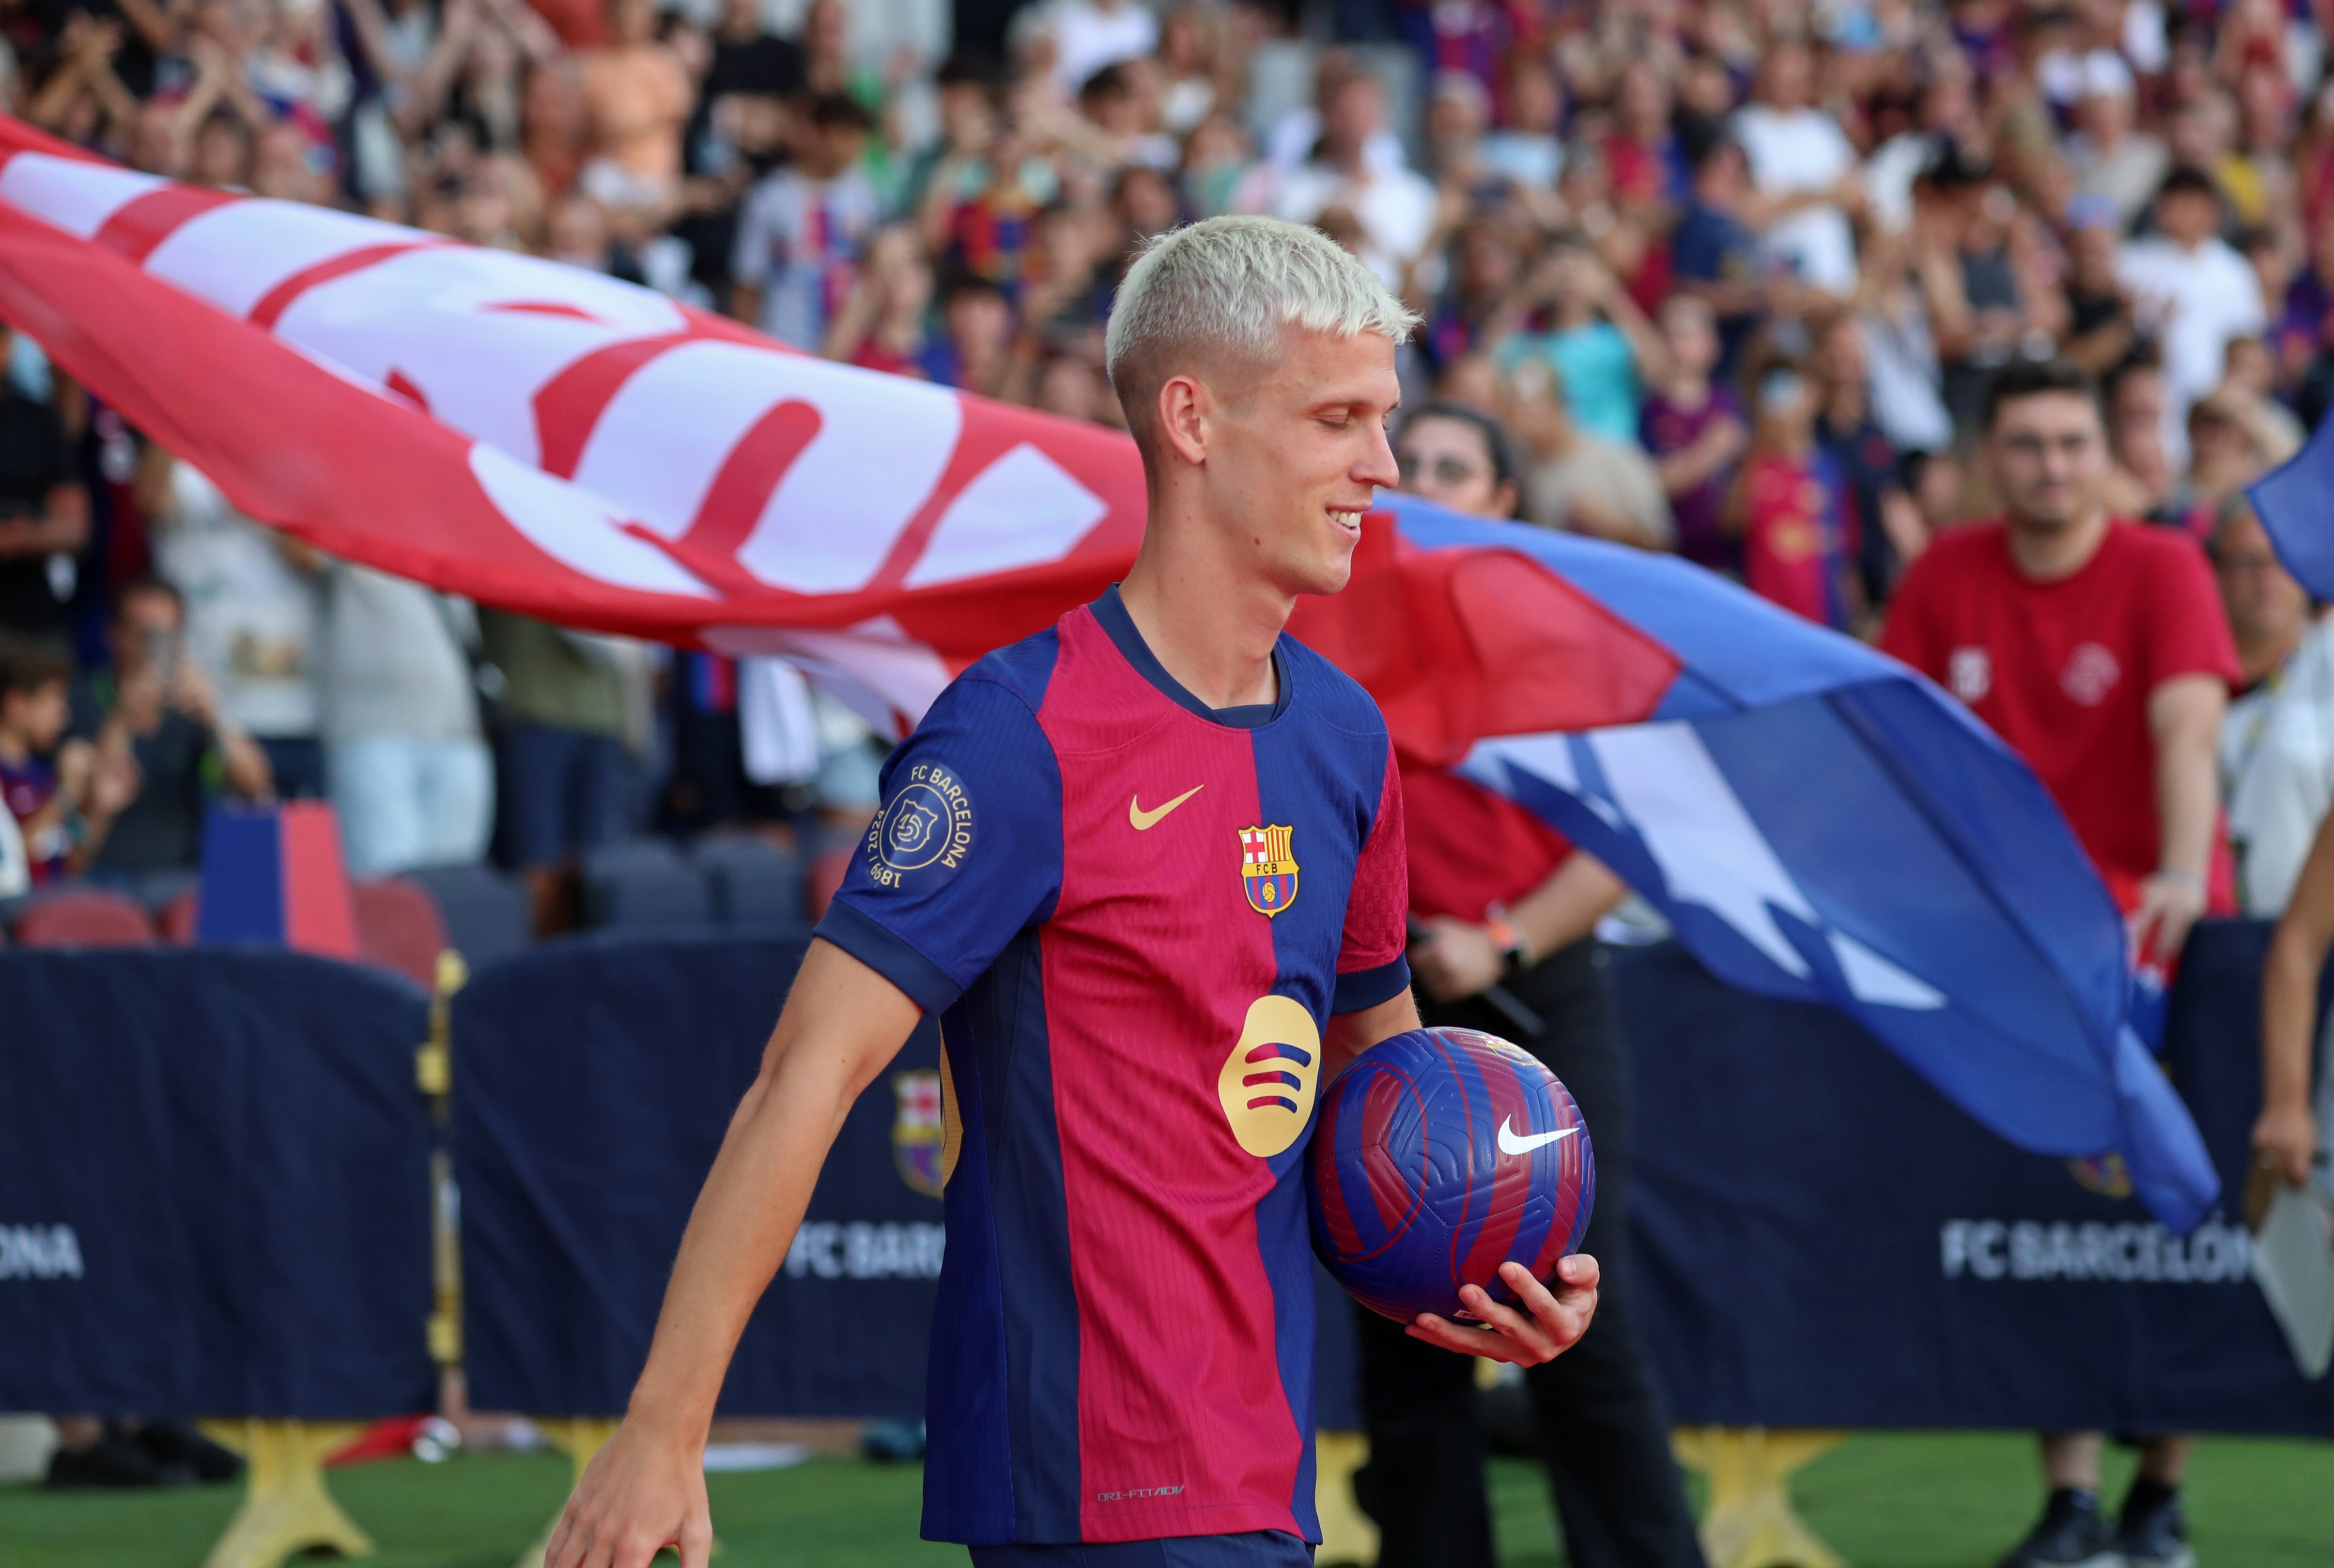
(1109, 611)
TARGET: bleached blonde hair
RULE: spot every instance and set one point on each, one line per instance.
(1224, 289)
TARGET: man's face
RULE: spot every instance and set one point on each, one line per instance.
(144, 624)
(2049, 457)
(1297, 454)
(1354, 113)
(1446, 462)
(2187, 217)
(1784, 83)
(2264, 602)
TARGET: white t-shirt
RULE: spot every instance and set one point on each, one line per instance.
(251, 619)
(1803, 150)
(1394, 207)
(2199, 302)
(2277, 772)
(1089, 34)
(799, 241)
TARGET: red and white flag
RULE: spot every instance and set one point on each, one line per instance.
(557, 442)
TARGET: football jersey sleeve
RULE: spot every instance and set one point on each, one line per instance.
(1371, 967)
(966, 852)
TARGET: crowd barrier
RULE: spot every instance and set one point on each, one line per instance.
(1823, 1241)
(217, 1171)
(592, 1082)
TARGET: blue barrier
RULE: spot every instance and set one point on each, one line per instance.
(593, 1078)
(1822, 1241)
(214, 1186)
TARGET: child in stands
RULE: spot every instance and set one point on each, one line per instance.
(1799, 540)
(61, 799)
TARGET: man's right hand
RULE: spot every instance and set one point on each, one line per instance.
(643, 1492)
(2286, 1138)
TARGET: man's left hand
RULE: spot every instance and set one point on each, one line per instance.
(1454, 959)
(1552, 1324)
(2170, 903)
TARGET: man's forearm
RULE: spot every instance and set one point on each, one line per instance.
(1567, 905)
(2188, 802)
(2185, 718)
(743, 1221)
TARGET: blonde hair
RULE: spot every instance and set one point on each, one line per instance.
(1228, 286)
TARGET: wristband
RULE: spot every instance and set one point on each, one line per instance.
(1515, 948)
(2192, 880)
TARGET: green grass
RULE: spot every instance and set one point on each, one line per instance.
(1952, 1500)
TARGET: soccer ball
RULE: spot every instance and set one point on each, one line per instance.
(1441, 1154)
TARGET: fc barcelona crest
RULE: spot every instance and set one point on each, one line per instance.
(918, 1133)
(1267, 869)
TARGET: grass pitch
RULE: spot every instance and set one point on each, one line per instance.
(1883, 1500)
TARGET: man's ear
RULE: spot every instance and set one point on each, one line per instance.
(1186, 416)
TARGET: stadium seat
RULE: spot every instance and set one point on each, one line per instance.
(484, 910)
(751, 881)
(85, 918)
(178, 920)
(644, 885)
(399, 928)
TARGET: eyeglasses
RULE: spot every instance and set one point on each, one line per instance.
(1447, 470)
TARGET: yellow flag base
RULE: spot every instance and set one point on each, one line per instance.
(1750, 1523)
(1347, 1534)
(286, 1510)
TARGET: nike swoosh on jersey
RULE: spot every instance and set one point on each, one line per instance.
(1510, 1144)
(1144, 819)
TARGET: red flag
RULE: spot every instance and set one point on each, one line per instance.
(557, 442)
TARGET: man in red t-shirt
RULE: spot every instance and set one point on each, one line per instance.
(2098, 649)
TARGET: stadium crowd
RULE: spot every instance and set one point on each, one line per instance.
(1727, 278)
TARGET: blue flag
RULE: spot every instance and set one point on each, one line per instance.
(2295, 503)
(1820, 823)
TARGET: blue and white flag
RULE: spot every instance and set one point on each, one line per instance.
(1817, 821)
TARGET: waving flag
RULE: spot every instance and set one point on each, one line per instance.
(2295, 503)
(1818, 822)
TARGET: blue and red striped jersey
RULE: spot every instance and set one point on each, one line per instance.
(1136, 915)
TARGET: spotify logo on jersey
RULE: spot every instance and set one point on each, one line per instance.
(1268, 1082)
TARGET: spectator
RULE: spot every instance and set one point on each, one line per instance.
(2194, 290)
(44, 513)
(560, 765)
(159, 734)
(1714, 254)
(2277, 743)
(1579, 481)
(1800, 546)
(250, 613)
(409, 775)
(802, 229)
(1499, 900)
(1695, 430)
(1888, 526)
(1393, 206)
(1805, 165)
(1595, 339)
(1457, 455)
(2112, 161)
(60, 801)
(2097, 651)
(637, 96)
